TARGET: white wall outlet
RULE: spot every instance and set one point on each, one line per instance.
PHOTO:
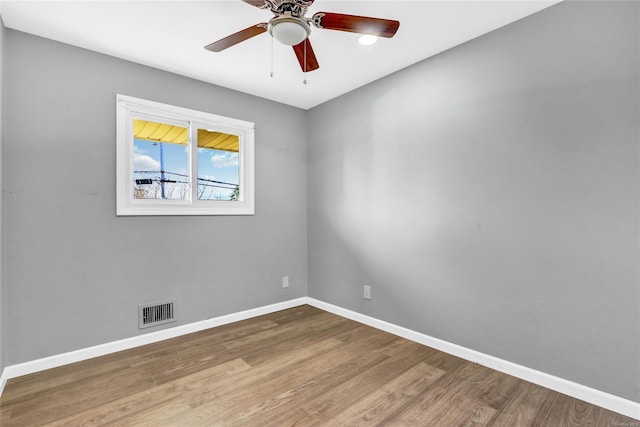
(367, 292)
(285, 281)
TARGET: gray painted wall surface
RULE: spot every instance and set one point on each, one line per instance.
(2, 365)
(75, 272)
(490, 196)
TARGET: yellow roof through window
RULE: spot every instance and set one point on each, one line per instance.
(160, 132)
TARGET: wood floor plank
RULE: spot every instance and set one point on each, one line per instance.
(302, 367)
(339, 330)
(434, 405)
(293, 314)
(66, 400)
(388, 398)
(569, 412)
(287, 332)
(280, 381)
(145, 355)
(150, 402)
(496, 389)
(231, 393)
(272, 408)
(528, 406)
(296, 418)
(462, 411)
(184, 392)
(329, 405)
(370, 352)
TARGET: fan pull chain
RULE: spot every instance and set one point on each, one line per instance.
(271, 73)
(304, 81)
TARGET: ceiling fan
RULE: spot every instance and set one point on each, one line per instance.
(290, 27)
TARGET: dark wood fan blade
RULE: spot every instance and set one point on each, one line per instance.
(307, 60)
(262, 4)
(236, 38)
(356, 24)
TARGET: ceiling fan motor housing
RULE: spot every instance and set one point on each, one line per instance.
(296, 7)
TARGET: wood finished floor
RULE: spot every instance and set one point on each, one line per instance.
(302, 367)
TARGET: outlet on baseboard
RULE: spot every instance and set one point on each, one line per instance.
(367, 292)
(285, 281)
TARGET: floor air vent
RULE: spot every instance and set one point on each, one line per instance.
(156, 314)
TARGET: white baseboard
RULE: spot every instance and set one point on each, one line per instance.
(37, 365)
(579, 391)
(3, 380)
(608, 401)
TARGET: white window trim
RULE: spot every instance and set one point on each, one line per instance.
(127, 108)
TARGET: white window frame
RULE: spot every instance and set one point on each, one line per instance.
(128, 108)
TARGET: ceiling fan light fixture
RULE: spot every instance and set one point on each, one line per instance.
(367, 39)
(289, 30)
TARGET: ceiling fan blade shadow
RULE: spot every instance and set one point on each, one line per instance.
(307, 60)
(236, 38)
(356, 24)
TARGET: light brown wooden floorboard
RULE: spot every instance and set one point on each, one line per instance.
(387, 399)
(296, 367)
(281, 378)
(330, 405)
(167, 398)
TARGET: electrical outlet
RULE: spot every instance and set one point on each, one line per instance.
(285, 281)
(367, 292)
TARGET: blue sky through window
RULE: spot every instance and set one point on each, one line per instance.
(218, 171)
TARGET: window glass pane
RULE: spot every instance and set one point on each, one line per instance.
(160, 161)
(218, 167)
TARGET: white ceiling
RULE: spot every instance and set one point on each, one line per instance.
(170, 35)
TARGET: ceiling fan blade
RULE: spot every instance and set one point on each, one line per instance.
(236, 38)
(307, 60)
(356, 24)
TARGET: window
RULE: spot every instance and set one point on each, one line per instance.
(176, 161)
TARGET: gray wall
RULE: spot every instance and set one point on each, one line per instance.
(75, 272)
(2, 61)
(490, 195)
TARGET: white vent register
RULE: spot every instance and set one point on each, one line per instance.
(155, 314)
